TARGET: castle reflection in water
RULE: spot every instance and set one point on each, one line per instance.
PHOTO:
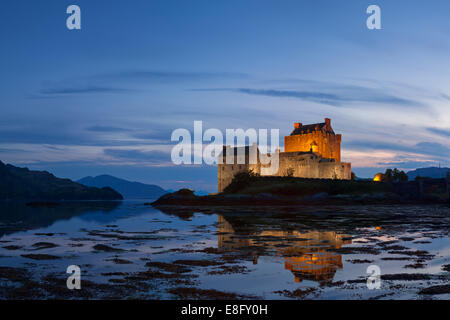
(308, 255)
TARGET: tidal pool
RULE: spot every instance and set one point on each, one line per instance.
(129, 250)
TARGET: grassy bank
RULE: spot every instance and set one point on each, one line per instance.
(304, 187)
(254, 190)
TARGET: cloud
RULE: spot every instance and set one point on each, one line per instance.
(408, 164)
(320, 97)
(85, 131)
(12, 150)
(106, 129)
(82, 89)
(47, 133)
(137, 155)
(445, 97)
(333, 95)
(117, 82)
(441, 132)
(167, 76)
(159, 133)
(431, 149)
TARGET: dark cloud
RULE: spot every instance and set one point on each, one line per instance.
(167, 76)
(40, 135)
(82, 89)
(329, 94)
(333, 99)
(441, 132)
(433, 148)
(161, 134)
(445, 96)
(408, 164)
(58, 134)
(375, 145)
(57, 131)
(107, 129)
(11, 150)
(319, 97)
(149, 157)
(54, 148)
(117, 82)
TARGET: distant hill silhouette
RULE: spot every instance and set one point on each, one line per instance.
(202, 192)
(24, 184)
(130, 190)
(431, 172)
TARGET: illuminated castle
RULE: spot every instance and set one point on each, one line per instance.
(311, 151)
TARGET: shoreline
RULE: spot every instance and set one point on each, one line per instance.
(259, 200)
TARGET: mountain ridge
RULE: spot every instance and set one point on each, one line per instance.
(429, 172)
(23, 184)
(128, 189)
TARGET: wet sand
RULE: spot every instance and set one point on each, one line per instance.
(303, 252)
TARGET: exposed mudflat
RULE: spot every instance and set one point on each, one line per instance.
(135, 251)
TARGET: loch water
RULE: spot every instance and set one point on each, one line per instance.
(129, 250)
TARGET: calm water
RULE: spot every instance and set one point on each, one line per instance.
(129, 250)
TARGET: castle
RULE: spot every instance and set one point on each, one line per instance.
(311, 151)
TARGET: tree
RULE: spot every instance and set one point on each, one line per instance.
(289, 172)
(241, 180)
(398, 175)
(388, 176)
(394, 175)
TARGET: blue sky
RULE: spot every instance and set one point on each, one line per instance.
(106, 98)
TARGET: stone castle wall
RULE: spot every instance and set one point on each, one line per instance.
(302, 165)
(311, 165)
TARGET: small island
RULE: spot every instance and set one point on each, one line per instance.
(309, 171)
(248, 188)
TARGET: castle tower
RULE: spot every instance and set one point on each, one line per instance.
(318, 138)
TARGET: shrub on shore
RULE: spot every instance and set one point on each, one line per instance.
(251, 183)
(241, 180)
